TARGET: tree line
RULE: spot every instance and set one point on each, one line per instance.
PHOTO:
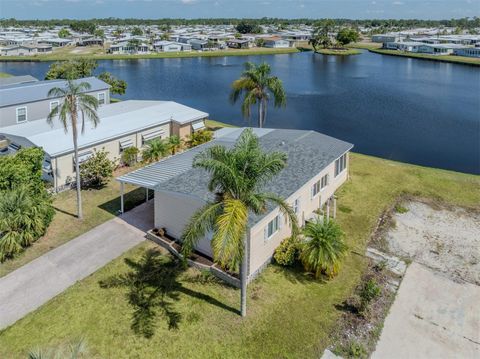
(90, 25)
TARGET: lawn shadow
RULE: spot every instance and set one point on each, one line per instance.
(296, 274)
(153, 289)
(64, 212)
(131, 200)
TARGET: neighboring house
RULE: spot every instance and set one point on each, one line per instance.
(28, 101)
(167, 46)
(317, 166)
(91, 41)
(122, 125)
(126, 47)
(56, 42)
(238, 44)
(19, 50)
(275, 42)
(440, 49)
(467, 51)
(199, 45)
(383, 38)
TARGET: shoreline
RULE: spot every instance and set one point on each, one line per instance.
(161, 55)
(461, 60)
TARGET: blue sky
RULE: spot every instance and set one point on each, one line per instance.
(355, 9)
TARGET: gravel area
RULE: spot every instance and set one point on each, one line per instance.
(445, 240)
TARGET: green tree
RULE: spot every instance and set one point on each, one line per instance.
(321, 34)
(24, 217)
(260, 42)
(137, 31)
(156, 149)
(324, 247)
(237, 176)
(129, 156)
(134, 44)
(63, 33)
(118, 86)
(74, 101)
(347, 35)
(95, 171)
(248, 28)
(85, 26)
(72, 69)
(24, 169)
(199, 137)
(257, 86)
(174, 142)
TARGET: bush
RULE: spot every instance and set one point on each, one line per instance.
(369, 291)
(96, 170)
(129, 156)
(287, 252)
(199, 137)
(356, 350)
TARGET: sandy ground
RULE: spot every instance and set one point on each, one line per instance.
(444, 240)
(436, 313)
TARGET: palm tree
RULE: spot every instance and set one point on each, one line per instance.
(174, 142)
(75, 100)
(237, 178)
(155, 150)
(257, 86)
(324, 247)
(76, 350)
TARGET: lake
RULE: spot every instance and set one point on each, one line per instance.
(409, 110)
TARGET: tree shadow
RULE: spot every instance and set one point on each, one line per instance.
(296, 274)
(153, 289)
(64, 212)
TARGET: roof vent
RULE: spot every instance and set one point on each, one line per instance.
(282, 143)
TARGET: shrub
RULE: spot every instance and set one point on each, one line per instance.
(96, 170)
(287, 252)
(155, 150)
(356, 350)
(24, 169)
(199, 137)
(129, 156)
(369, 291)
(400, 209)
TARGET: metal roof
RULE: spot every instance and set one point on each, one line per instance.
(7, 81)
(20, 93)
(116, 120)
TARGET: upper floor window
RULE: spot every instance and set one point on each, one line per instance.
(101, 98)
(340, 164)
(296, 206)
(324, 181)
(21, 114)
(53, 104)
(319, 185)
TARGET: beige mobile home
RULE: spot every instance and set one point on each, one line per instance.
(317, 166)
(122, 125)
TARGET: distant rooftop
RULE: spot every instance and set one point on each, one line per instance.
(12, 80)
(25, 92)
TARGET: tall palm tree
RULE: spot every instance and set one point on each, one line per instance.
(155, 150)
(257, 86)
(324, 247)
(237, 177)
(74, 102)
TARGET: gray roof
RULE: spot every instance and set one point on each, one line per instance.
(20, 93)
(308, 153)
(6, 81)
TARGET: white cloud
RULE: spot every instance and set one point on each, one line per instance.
(398, 3)
(188, 2)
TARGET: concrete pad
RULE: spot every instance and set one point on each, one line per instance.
(32, 285)
(432, 317)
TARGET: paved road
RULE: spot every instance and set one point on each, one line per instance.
(32, 285)
(432, 317)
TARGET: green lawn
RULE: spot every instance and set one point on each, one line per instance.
(99, 54)
(442, 58)
(98, 206)
(290, 316)
(4, 74)
(337, 52)
(364, 45)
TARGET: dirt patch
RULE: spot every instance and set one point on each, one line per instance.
(444, 239)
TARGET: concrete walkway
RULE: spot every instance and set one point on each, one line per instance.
(32, 285)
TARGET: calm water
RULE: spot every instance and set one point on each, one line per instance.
(409, 110)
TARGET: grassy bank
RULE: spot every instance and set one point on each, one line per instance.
(337, 52)
(442, 58)
(4, 74)
(290, 315)
(99, 54)
(364, 45)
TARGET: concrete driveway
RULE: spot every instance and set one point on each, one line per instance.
(32, 285)
(432, 317)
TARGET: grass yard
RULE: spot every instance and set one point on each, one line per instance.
(4, 74)
(290, 315)
(364, 45)
(442, 58)
(98, 206)
(338, 52)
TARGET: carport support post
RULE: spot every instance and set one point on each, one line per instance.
(328, 209)
(334, 207)
(121, 197)
(146, 194)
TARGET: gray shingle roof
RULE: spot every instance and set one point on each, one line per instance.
(308, 153)
(37, 91)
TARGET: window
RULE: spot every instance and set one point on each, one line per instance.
(340, 164)
(21, 114)
(319, 185)
(324, 181)
(101, 98)
(296, 206)
(272, 227)
(53, 104)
